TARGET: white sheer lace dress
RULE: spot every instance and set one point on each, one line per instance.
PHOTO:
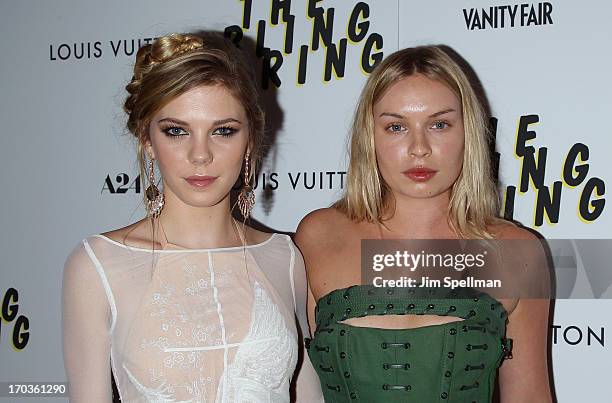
(204, 325)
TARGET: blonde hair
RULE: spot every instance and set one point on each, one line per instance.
(174, 64)
(473, 202)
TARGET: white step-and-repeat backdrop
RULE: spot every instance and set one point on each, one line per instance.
(69, 169)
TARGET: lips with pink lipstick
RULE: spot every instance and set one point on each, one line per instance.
(200, 181)
(420, 174)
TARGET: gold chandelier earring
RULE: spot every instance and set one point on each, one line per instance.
(246, 197)
(155, 198)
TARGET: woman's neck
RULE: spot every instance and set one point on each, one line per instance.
(196, 227)
(423, 218)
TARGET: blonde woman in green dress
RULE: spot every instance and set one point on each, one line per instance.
(419, 169)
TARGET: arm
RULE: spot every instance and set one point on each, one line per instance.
(306, 237)
(525, 377)
(307, 385)
(85, 331)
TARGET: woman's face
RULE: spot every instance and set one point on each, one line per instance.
(419, 137)
(199, 140)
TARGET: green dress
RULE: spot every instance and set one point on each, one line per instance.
(451, 363)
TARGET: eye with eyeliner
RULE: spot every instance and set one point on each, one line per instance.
(177, 131)
(224, 131)
(174, 131)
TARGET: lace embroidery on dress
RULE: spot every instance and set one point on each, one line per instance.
(160, 394)
(259, 373)
(189, 326)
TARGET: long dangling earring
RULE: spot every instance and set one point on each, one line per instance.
(246, 197)
(155, 198)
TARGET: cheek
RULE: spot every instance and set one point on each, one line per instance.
(452, 151)
(229, 155)
(168, 155)
(389, 153)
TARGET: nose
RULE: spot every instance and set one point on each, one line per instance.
(200, 152)
(419, 146)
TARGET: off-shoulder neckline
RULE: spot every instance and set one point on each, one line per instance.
(229, 248)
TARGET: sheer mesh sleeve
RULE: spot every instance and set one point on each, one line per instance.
(308, 387)
(86, 322)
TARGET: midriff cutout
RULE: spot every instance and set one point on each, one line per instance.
(400, 321)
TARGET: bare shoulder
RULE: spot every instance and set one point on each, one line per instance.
(321, 226)
(138, 234)
(523, 243)
(508, 230)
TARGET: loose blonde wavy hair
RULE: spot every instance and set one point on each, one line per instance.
(474, 202)
(174, 64)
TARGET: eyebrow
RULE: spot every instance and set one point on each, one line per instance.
(216, 122)
(433, 115)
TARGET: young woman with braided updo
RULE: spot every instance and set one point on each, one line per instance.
(188, 304)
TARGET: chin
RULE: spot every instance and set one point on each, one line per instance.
(205, 197)
(208, 201)
(423, 192)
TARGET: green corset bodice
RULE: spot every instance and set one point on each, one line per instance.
(454, 362)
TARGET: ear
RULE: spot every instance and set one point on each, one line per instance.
(148, 147)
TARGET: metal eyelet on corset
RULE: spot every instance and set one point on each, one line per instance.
(386, 345)
(430, 306)
(470, 347)
(467, 387)
(346, 293)
(405, 366)
(386, 386)
(326, 369)
(480, 328)
(336, 388)
(390, 291)
(319, 348)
